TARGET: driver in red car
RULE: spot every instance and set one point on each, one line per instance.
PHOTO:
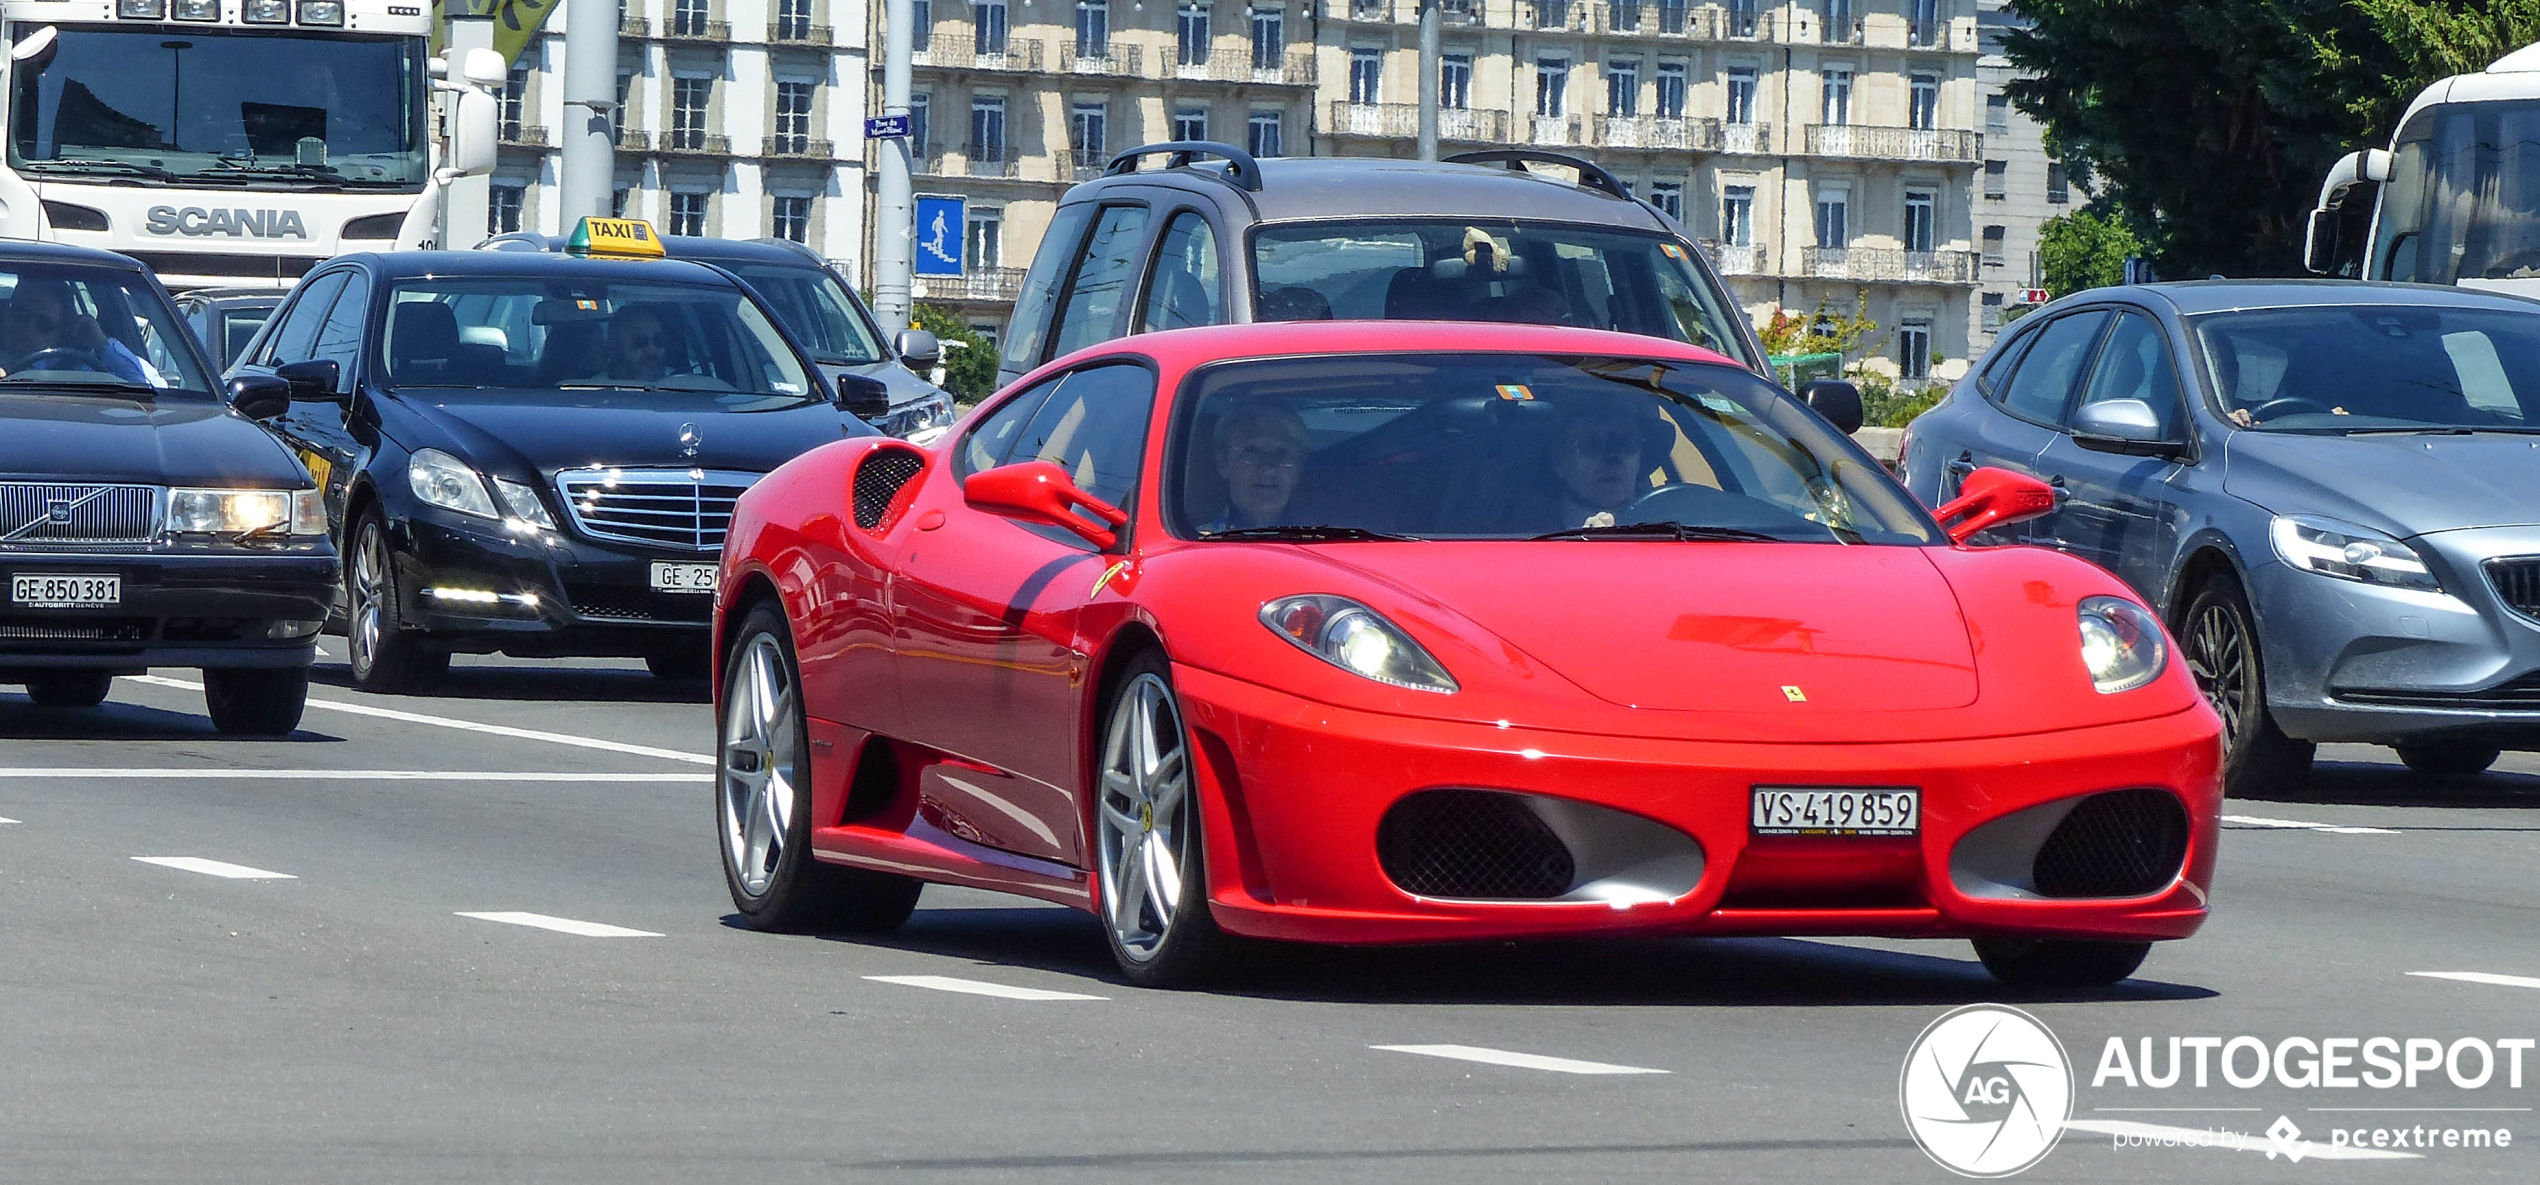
(1260, 447)
(1600, 460)
(43, 318)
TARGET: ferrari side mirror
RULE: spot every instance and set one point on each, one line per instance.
(1991, 497)
(1040, 492)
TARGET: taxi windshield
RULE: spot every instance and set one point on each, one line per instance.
(1515, 446)
(571, 333)
(69, 328)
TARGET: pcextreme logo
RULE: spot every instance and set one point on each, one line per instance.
(1986, 1091)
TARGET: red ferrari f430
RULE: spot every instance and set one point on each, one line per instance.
(1395, 633)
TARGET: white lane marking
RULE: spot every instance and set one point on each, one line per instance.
(2298, 825)
(2193, 1137)
(559, 925)
(526, 734)
(1522, 1061)
(345, 775)
(946, 983)
(6, 821)
(2520, 981)
(236, 872)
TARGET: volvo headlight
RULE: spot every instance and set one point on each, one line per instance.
(2349, 552)
(246, 512)
(266, 12)
(523, 504)
(1356, 639)
(2121, 644)
(442, 480)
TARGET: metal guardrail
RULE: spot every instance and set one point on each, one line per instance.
(1890, 264)
(1293, 68)
(1872, 142)
(1402, 121)
(1009, 56)
(1116, 61)
(982, 284)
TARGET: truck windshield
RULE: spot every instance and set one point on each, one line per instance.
(221, 106)
(2463, 202)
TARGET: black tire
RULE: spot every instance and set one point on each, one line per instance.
(2059, 963)
(2218, 637)
(70, 689)
(384, 657)
(256, 702)
(684, 664)
(2449, 763)
(1190, 950)
(799, 894)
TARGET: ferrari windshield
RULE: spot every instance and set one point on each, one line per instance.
(1453, 270)
(587, 331)
(70, 328)
(2368, 368)
(1516, 446)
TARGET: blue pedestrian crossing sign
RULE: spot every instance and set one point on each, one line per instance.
(939, 225)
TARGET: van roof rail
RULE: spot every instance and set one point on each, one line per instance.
(1591, 174)
(1241, 169)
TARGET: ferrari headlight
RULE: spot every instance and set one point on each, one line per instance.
(442, 480)
(237, 512)
(2349, 552)
(2121, 644)
(523, 503)
(1356, 639)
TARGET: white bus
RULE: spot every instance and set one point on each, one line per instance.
(2455, 199)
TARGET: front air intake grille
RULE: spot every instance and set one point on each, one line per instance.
(2124, 843)
(878, 481)
(2517, 583)
(2518, 694)
(619, 603)
(74, 629)
(33, 512)
(1474, 844)
(675, 509)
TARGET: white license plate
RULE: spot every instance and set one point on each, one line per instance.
(1809, 810)
(683, 578)
(66, 592)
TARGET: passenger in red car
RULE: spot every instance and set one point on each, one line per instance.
(1260, 447)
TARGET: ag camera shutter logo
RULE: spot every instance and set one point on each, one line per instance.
(1986, 1091)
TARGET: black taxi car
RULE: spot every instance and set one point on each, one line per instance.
(535, 454)
(143, 521)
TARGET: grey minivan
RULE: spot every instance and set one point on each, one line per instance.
(2332, 490)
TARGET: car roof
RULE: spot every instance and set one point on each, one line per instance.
(1298, 187)
(683, 247)
(30, 251)
(406, 265)
(2213, 296)
(1272, 339)
(241, 295)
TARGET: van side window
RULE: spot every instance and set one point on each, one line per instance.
(1184, 290)
(1028, 328)
(1089, 311)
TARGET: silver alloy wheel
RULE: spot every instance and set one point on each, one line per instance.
(369, 580)
(1143, 814)
(2217, 654)
(762, 744)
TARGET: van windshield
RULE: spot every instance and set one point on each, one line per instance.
(817, 309)
(1459, 270)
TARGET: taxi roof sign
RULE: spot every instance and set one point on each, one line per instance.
(615, 238)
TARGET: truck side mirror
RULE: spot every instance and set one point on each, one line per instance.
(2319, 243)
(473, 122)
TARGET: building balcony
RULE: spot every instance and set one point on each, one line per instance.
(1888, 265)
(683, 28)
(1934, 35)
(1009, 56)
(1085, 164)
(797, 148)
(1656, 132)
(1866, 142)
(695, 142)
(634, 140)
(1110, 61)
(1401, 121)
(787, 32)
(1296, 68)
(634, 26)
(1742, 25)
(1565, 16)
(987, 160)
(1855, 31)
(979, 285)
(521, 135)
(1550, 131)
(1746, 139)
(1453, 14)
(1737, 259)
(1659, 20)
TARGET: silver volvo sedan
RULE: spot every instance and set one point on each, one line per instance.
(2332, 488)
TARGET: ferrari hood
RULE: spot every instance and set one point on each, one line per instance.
(1713, 627)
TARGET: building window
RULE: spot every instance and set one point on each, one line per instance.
(1552, 86)
(1997, 114)
(1918, 219)
(1622, 87)
(987, 128)
(1671, 90)
(688, 100)
(1834, 218)
(793, 20)
(503, 211)
(1190, 123)
(515, 91)
(2058, 190)
(1913, 349)
(1742, 95)
(617, 203)
(1840, 24)
(1923, 107)
(688, 17)
(1192, 21)
(1455, 81)
(983, 232)
(1993, 236)
(921, 112)
(688, 213)
(793, 116)
(1089, 133)
(1366, 71)
(1922, 20)
(1669, 197)
(791, 218)
(1093, 28)
(617, 114)
(1269, 38)
(1997, 178)
(1264, 134)
(987, 26)
(1992, 312)
(1837, 108)
(921, 23)
(1737, 215)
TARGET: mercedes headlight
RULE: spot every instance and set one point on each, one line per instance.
(442, 480)
(522, 501)
(2121, 644)
(246, 512)
(2349, 552)
(1356, 639)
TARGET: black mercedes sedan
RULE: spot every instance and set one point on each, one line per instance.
(144, 522)
(534, 454)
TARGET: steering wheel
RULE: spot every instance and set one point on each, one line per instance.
(2274, 408)
(1701, 505)
(28, 362)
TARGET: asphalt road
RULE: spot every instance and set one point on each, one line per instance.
(355, 1023)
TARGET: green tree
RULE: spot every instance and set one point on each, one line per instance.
(970, 370)
(2083, 250)
(2432, 41)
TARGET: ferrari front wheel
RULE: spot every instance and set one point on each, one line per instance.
(2059, 963)
(1153, 863)
(762, 802)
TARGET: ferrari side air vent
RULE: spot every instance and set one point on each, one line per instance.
(2124, 843)
(1474, 844)
(879, 480)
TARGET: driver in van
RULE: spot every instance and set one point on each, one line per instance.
(42, 319)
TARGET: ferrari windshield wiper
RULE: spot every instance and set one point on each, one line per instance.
(1676, 531)
(1312, 534)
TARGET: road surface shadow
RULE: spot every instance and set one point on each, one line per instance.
(527, 681)
(2370, 783)
(21, 720)
(1210, 1159)
(1672, 972)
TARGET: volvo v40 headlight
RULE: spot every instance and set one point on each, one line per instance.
(2349, 552)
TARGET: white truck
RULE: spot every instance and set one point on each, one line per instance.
(232, 143)
(2455, 199)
